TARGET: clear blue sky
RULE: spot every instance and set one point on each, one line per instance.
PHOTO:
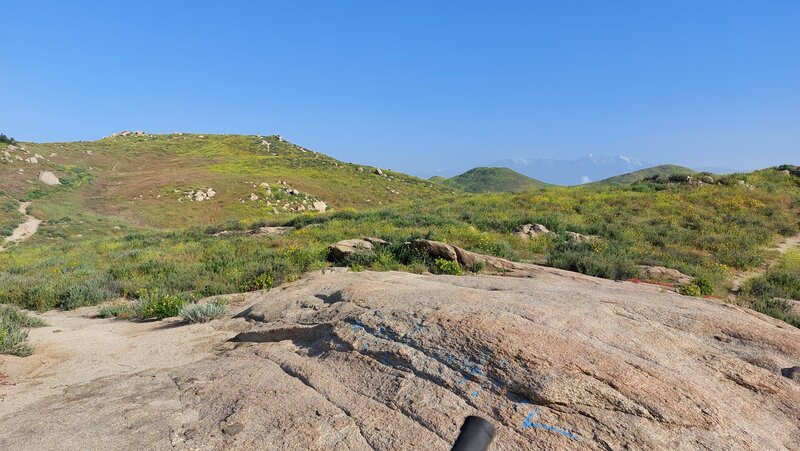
(417, 86)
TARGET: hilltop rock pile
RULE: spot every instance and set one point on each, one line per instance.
(125, 133)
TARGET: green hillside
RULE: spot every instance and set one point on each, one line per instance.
(664, 170)
(125, 220)
(484, 180)
(147, 180)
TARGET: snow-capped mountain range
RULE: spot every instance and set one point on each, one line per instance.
(586, 169)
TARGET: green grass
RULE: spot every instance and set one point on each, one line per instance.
(119, 230)
(482, 180)
(9, 216)
(664, 170)
(768, 293)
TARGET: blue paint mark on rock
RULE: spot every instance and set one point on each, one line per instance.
(474, 393)
(528, 423)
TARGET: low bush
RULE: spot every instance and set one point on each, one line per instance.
(89, 292)
(158, 304)
(13, 336)
(263, 281)
(690, 289)
(122, 311)
(203, 312)
(444, 266)
(776, 308)
(699, 286)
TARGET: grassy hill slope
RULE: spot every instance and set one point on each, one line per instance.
(483, 180)
(120, 223)
(146, 180)
(663, 170)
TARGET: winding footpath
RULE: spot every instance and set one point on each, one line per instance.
(25, 230)
(782, 246)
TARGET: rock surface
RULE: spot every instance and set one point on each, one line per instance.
(346, 248)
(664, 274)
(532, 230)
(48, 178)
(396, 361)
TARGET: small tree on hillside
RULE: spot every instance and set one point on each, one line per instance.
(5, 139)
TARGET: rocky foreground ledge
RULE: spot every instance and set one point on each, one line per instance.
(396, 361)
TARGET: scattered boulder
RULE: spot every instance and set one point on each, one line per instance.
(48, 178)
(360, 169)
(786, 172)
(32, 160)
(468, 259)
(579, 238)
(532, 230)
(664, 274)
(707, 179)
(346, 248)
(374, 240)
(320, 205)
(379, 172)
(435, 249)
(253, 197)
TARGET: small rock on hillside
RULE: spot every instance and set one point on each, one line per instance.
(48, 178)
(532, 230)
(661, 273)
(346, 248)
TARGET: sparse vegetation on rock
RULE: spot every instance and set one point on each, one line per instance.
(203, 312)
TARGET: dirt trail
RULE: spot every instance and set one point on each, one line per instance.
(783, 245)
(25, 230)
(75, 349)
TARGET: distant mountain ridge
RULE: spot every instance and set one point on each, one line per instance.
(586, 169)
(490, 179)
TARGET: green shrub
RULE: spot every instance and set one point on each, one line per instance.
(13, 336)
(704, 285)
(588, 258)
(89, 292)
(122, 311)
(475, 267)
(9, 313)
(361, 257)
(690, 289)
(776, 308)
(356, 267)
(14, 340)
(203, 312)
(444, 266)
(157, 304)
(263, 281)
